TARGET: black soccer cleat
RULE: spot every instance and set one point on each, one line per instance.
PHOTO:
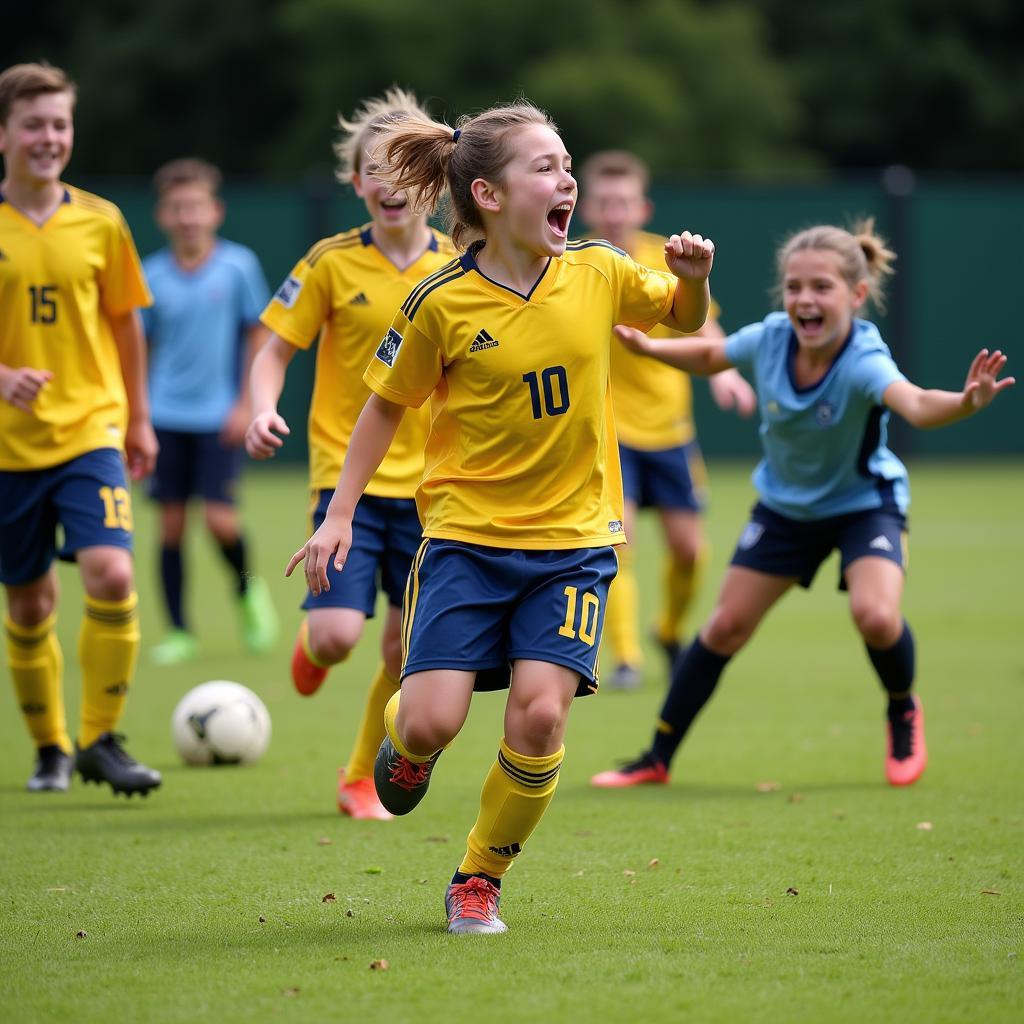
(106, 760)
(53, 771)
(401, 784)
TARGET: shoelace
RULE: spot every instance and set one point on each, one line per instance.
(903, 736)
(408, 774)
(476, 898)
(113, 744)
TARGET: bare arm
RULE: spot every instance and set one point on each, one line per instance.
(139, 441)
(232, 433)
(728, 388)
(689, 257)
(371, 438)
(696, 354)
(929, 408)
(266, 382)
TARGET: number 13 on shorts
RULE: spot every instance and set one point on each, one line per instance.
(581, 616)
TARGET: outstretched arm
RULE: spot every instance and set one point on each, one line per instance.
(931, 407)
(371, 438)
(696, 354)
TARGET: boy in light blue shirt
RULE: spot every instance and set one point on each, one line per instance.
(825, 383)
(202, 332)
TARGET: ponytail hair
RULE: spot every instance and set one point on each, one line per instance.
(863, 254)
(436, 165)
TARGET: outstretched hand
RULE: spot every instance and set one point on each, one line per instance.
(636, 341)
(689, 256)
(332, 540)
(982, 384)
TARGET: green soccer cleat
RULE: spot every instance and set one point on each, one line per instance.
(259, 618)
(472, 908)
(53, 771)
(106, 760)
(401, 784)
(176, 648)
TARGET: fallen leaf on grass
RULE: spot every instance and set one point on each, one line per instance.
(924, 826)
(290, 993)
(373, 871)
(437, 839)
(263, 920)
(58, 888)
(767, 787)
(792, 892)
(324, 841)
(991, 892)
(350, 912)
(329, 898)
(628, 874)
(341, 958)
(81, 934)
(578, 874)
(379, 965)
(653, 863)
(796, 798)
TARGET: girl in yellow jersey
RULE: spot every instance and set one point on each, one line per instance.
(346, 289)
(521, 497)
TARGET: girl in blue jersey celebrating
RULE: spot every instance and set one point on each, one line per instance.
(825, 382)
(521, 498)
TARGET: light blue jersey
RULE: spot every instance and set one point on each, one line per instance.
(824, 446)
(196, 329)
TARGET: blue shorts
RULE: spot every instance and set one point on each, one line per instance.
(780, 546)
(194, 464)
(385, 535)
(87, 497)
(472, 607)
(665, 478)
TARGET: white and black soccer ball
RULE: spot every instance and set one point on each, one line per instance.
(220, 723)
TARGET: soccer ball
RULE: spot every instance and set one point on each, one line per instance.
(220, 723)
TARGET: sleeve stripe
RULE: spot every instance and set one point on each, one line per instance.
(588, 243)
(449, 272)
(318, 250)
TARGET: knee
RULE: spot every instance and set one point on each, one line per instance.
(30, 607)
(333, 642)
(541, 720)
(111, 578)
(686, 551)
(425, 733)
(222, 523)
(879, 623)
(727, 630)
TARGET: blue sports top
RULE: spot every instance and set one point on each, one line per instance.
(824, 446)
(196, 331)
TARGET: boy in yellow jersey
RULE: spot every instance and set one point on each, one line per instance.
(662, 466)
(72, 408)
(346, 289)
(521, 497)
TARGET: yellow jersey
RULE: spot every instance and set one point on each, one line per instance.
(521, 451)
(346, 290)
(60, 282)
(653, 401)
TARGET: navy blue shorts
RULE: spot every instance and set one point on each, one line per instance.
(385, 535)
(666, 478)
(87, 497)
(478, 608)
(780, 546)
(194, 465)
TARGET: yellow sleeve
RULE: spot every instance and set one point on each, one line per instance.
(122, 284)
(407, 366)
(645, 295)
(302, 304)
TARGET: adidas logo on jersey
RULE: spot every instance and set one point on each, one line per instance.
(481, 341)
(359, 300)
(881, 543)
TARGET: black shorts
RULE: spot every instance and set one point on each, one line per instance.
(194, 465)
(779, 546)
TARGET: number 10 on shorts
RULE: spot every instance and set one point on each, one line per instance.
(589, 608)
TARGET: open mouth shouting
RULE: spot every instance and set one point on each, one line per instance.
(558, 218)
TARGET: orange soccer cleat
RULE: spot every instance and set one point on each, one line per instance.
(644, 770)
(358, 799)
(907, 756)
(307, 676)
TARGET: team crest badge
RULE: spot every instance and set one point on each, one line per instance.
(751, 534)
(389, 347)
(824, 413)
(289, 291)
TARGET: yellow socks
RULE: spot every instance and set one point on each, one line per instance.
(681, 583)
(371, 728)
(515, 796)
(108, 646)
(622, 612)
(36, 664)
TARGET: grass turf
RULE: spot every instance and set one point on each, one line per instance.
(778, 878)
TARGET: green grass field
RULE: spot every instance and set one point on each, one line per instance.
(777, 879)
